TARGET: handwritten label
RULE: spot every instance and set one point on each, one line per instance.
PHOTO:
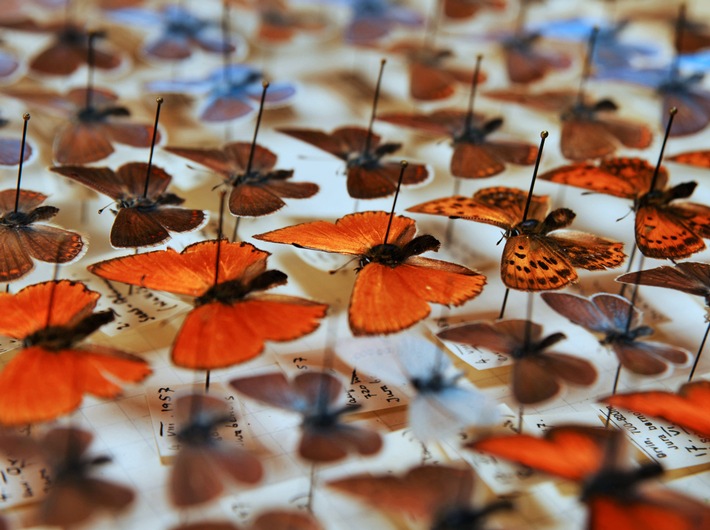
(478, 358)
(667, 444)
(23, 479)
(161, 404)
(7, 344)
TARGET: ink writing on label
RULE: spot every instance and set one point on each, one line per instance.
(479, 359)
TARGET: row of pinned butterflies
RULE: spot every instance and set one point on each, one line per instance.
(226, 280)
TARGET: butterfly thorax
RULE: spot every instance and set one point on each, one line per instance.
(235, 88)
(254, 177)
(621, 335)
(369, 159)
(520, 42)
(559, 218)
(476, 135)
(57, 338)
(180, 23)
(231, 291)
(92, 114)
(75, 468)
(580, 111)
(17, 219)
(434, 384)
(394, 255)
(200, 430)
(535, 348)
(323, 417)
(659, 198)
(620, 484)
(464, 518)
(149, 204)
(71, 35)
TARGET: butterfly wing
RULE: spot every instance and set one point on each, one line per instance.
(326, 142)
(191, 272)
(15, 261)
(133, 134)
(81, 143)
(536, 378)
(334, 442)
(389, 299)
(247, 200)
(588, 251)
(687, 409)
(581, 311)
(135, 228)
(442, 122)
(282, 520)
(628, 133)
(483, 335)
(569, 452)
(101, 179)
(699, 158)
(135, 174)
(353, 234)
(662, 233)
(215, 159)
(584, 139)
(273, 389)
(475, 161)
(429, 82)
(646, 357)
(207, 337)
(688, 277)
(532, 263)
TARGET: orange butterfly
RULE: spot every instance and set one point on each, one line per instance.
(203, 461)
(536, 373)
(229, 309)
(314, 395)
(394, 285)
(588, 130)
(49, 376)
(688, 408)
(23, 238)
(537, 256)
(474, 156)
(616, 496)
(368, 177)
(439, 495)
(664, 228)
(260, 191)
(463, 9)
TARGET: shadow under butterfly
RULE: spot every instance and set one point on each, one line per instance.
(146, 211)
(229, 93)
(316, 396)
(51, 319)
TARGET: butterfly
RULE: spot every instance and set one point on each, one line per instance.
(616, 496)
(181, 31)
(688, 277)
(536, 372)
(68, 50)
(688, 408)
(537, 256)
(230, 93)
(438, 494)
(699, 158)
(526, 63)
(463, 9)
(256, 192)
(589, 129)
(74, 494)
(368, 176)
(271, 520)
(474, 155)
(664, 228)
(283, 24)
(203, 460)
(228, 304)
(51, 319)
(10, 151)
(145, 214)
(430, 79)
(314, 395)
(92, 126)
(394, 285)
(372, 20)
(619, 323)
(23, 237)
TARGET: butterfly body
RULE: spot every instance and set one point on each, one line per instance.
(56, 338)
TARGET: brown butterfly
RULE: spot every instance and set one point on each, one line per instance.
(664, 228)
(438, 494)
(146, 211)
(203, 460)
(256, 192)
(23, 237)
(537, 255)
(619, 325)
(394, 286)
(271, 520)
(92, 126)
(589, 130)
(474, 156)
(368, 176)
(526, 63)
(463, 9)
(617, 497)
(536, 373)
(430, 79)
(314, 395)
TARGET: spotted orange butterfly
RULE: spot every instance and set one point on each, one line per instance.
(617, 497)
(314, 395)
(536, 373)
(258, 192)
(664, 227)
(537, 256)
(146, 211)
(394, 286)
(229, 308)
(688, 408)
(440, 495)
(23, 238)
(368, 176)
(52, 372)
(588, 129)
(474, 156)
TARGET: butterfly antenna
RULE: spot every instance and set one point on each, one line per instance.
(403, 166)
(472, 96)
(671, 114)
(26, 118)
(587, 68)
(89, 67)
(159, 103)
(373, 114)
(264, 88)
(543, 137)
